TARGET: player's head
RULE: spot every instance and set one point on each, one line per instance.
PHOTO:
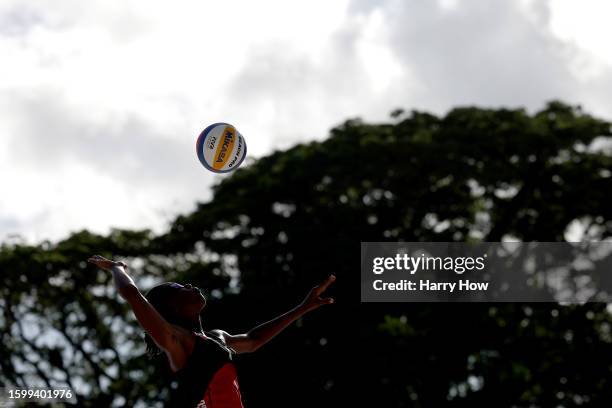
(177, 304)
(173, 300)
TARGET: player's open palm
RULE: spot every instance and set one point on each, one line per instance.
(104, 263)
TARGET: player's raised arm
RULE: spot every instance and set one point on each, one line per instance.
(260, 335)
(162, 332)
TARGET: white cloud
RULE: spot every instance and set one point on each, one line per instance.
(107, 98)
(380, 63)
(585, 24)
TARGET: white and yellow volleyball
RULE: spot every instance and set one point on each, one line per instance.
(221, 148)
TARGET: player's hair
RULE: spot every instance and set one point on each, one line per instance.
(163, 298)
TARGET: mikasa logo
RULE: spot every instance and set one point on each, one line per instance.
(229, 137)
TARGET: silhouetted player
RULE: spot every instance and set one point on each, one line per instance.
(201, 362)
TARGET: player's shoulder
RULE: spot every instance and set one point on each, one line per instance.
(217, 334)
(221, 336)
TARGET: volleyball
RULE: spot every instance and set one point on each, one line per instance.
(221, 148)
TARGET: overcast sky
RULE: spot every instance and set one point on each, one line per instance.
(101, 101)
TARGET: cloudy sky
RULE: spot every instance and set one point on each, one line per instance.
(101, 101)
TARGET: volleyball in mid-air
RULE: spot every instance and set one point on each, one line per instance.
(221, 148)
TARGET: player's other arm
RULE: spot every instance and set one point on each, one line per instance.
(260, 335)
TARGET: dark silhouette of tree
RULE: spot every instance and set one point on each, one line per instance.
(288, 219)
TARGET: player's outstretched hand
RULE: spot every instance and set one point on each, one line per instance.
(104, 263)
(313, 300)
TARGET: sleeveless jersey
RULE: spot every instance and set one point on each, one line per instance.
(208, 379)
